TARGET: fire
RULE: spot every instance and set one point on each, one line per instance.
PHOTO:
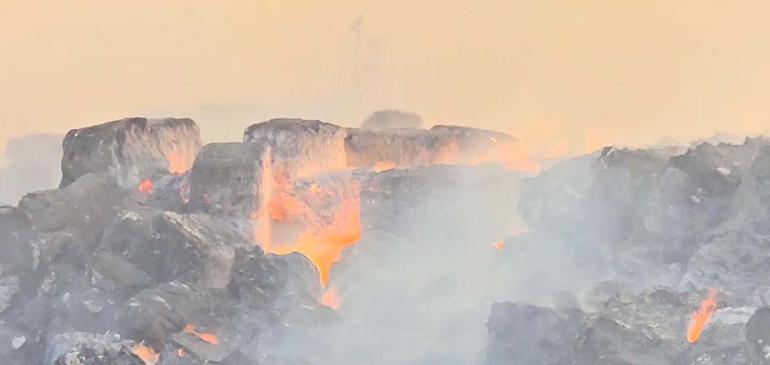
(383, 165)
(206, 337)
(330, 299)
(500, 245)
(282, 206)
(180, 158)
(701, 318)
(321, 243)
(146, 354)
(146, 186)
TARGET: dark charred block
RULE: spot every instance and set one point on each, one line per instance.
(758, 337)
(201, 250)
(526, 334)
(225, 178)
(761, 166)
(608, 342)
(194, 248)
(395, 147)
(473, 145)
(70, 221)
(154, 313)
(266, 281)
(112, 272)
(299, 147)
(391, 119)
(171, 192)
(130, 149)
(15, 236)
(442, 144)
(80, 348)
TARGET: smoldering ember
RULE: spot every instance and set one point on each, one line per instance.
(310, 243)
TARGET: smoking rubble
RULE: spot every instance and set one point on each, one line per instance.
(310, 243)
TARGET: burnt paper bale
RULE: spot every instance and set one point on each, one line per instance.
(69, 221)
(391, 119)
(392, 148)
(9, 286)
(154, 313)
(451, 145)
(470, 146)
(300, 147)
(15, 237)
(224, 180)
(131, 149)
(81, 348)
(758, 337)
(204, 249)
(112, 272)
(526, 334)
(170, 192)
(192, 248)
(266, 281)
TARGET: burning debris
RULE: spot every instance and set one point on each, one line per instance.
(701, 318)
(131, 149)
(157, 250)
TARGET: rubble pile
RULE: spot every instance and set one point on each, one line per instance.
(311, 243)
(646, 234)
(151, 251)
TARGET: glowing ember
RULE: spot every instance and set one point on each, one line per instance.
(180, 158)
(146, 187)
(330, 299)
(322, 244)
(206, 337)
(499, 245)
(701, 318)
(146, 354)
(181, 353)
(382, 166)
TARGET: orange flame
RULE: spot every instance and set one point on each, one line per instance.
(180, 158)
(321, 243)
(206, 337)
(383, 165)
(499, 245)
(146, 186)
(329, 299)
(146, 354)
(702, 317)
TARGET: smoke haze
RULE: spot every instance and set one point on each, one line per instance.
(588, 73)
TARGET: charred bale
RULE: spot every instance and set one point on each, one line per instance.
(526, 334)
(224, 180)
(191, 248)
(69, 222)
(130, 149)
(154, 313)
(300, 147)
(269, 281)
(758, 337)
(80, 348)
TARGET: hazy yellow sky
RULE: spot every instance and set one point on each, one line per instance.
(586, 71)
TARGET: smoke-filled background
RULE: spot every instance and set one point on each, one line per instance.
(564, 77)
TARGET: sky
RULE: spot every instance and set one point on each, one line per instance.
(562, 75)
